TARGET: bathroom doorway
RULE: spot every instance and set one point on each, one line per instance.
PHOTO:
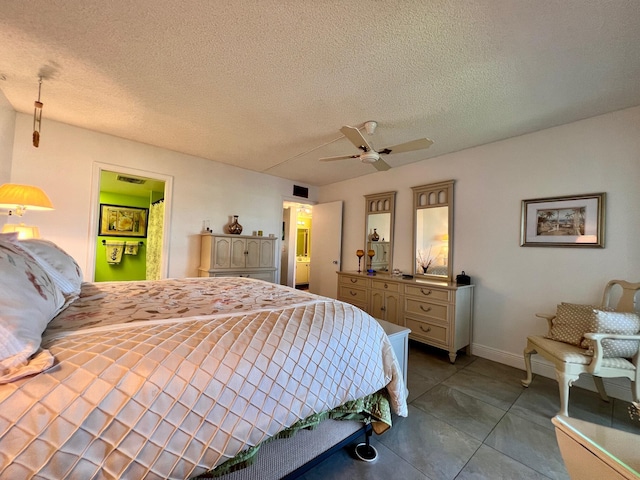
(137, 247)
(297, 219)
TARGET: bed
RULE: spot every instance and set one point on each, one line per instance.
(173, 378)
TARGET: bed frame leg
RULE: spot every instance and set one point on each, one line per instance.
(365, 451)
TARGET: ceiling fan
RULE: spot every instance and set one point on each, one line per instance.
(369, 154)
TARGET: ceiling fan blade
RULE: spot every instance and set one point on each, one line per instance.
(381, 165)
(355, 137)
(339, 157)
(408, 146)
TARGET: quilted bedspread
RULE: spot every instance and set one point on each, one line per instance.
(169, 379)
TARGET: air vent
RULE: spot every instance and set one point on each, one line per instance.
(137, 181)
(299, 191)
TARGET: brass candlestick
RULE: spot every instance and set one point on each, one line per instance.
(371, 254)
(360, 254)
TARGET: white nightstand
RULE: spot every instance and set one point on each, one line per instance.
(399, 338)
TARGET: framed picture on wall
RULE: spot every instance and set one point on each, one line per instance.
(122, 221)
(570, 221)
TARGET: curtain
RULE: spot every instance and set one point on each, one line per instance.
(154, 240)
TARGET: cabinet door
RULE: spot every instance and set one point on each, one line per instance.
(252, 253)
(221, 253)
(267, 253)
(393, 308)
(376, 307)
(302, 273)
(238, 252)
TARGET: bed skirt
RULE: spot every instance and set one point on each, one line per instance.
(373, 409)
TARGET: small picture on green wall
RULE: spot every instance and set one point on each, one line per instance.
(122, 221)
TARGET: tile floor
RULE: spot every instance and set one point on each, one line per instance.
(473, 420)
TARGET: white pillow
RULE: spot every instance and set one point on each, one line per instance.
(625, 323)
(58, 264)
(29, 299)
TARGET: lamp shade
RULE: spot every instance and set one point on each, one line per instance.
(21, 197)
(24, 231)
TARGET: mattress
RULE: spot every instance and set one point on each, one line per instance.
(169, 379)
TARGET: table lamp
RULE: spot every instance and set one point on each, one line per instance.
(17, 199)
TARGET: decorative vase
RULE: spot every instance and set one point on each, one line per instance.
(234, 227)
(374, 236)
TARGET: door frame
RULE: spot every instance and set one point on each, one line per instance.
(289, 242)
(94, 215)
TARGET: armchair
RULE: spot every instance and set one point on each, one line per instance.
(596, 353)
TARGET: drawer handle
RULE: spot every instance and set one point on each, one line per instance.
(352, 293)
(427, 292)
(354, 280)
(428, 309)
(428, 329)
(386, 286)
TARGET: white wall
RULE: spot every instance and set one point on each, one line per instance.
(7, 131)
(600, 154)
(202, 189)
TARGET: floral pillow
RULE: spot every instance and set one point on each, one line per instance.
(29, 299)
(614, 322)
(571, 323)
(9, 237)
(58, 264)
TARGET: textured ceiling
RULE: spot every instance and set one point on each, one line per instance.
(266, 85)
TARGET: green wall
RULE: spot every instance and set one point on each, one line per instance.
(132, 267)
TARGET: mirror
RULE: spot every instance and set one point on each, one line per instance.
(433, 230)
(302, 242)
(379, 218)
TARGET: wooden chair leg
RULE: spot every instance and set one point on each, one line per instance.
(527, 363)
(600, 387)
(564, 384)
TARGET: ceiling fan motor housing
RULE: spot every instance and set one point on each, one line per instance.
(369, 157)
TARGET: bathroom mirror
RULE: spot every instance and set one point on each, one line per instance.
(379, 218)
(302, 242)
(433, 230)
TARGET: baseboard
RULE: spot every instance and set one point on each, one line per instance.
(615, 387)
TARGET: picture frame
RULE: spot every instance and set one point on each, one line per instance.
(123, 221)
(568, 221)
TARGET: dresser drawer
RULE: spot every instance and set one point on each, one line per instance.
(421, 308)
(349, 294)
(386, 286)
(354, 281)
(427, 331)
(428, 293)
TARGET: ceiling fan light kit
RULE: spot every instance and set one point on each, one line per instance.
(370, 127)
(369, 155)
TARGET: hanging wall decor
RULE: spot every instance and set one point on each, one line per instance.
(37, 116)
(569, 221)
(121, 221)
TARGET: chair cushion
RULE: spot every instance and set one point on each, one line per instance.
(565, 352)
(624, 323)
(571, 323)
(574, 355)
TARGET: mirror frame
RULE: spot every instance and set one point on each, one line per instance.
(380, 203)
(429, 196)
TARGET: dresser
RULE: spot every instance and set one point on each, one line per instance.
(223, 255)
(438, 313)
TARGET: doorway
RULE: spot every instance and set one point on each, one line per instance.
(295, 261)
(137, 247)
